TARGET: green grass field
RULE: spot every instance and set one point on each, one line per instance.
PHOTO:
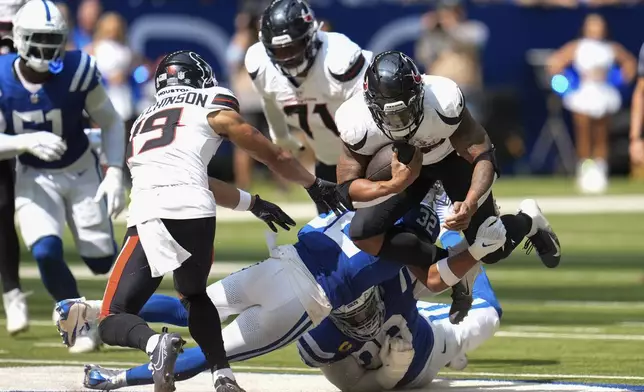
(583, 321)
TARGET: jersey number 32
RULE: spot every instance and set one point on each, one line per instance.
(156, 131)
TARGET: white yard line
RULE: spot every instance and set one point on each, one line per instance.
(568, 336)
(69, 378)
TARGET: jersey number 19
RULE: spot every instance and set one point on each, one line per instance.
(156, 131)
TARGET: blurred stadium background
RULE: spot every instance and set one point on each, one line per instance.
(581, 322)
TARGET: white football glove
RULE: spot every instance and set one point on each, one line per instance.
(396, 355)
(291, 144)
(43, 145)
(489, 237)
(112, 189)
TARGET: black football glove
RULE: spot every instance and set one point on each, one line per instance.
(271, 214)
(326, 193)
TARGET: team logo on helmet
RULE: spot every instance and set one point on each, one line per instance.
(417, 77)
(365, 85)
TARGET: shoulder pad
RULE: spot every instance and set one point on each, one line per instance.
(344, 58)
(82, 68)
(221, 99)
(255, 60)
(356, 129)
(445, 97)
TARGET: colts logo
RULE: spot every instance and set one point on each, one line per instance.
(344, 347)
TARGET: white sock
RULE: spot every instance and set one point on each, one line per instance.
(221, 373)
(152, 344)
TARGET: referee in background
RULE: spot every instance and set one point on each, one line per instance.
(15, 304)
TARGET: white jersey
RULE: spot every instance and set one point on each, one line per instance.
(443, 106)
(170, 146)
(335, 75)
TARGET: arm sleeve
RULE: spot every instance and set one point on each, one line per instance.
(100, 109)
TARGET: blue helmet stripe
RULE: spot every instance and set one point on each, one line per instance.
(47, 11)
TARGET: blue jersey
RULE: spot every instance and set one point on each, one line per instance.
(343, 270)
(327, 344)
(57, 107)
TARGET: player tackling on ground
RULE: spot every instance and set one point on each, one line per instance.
(303, 75)
(171, 223)
(399, 104)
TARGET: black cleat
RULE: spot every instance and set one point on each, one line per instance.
(163, 358)
(462, 295)
(225, 384)
(544, 240)
(461, 303)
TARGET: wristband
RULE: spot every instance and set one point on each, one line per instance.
(446, 273)
(244, 201)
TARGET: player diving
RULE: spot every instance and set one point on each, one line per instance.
(323, 277)
(45, 91)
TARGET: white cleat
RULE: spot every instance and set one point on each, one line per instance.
(541, 235)
(15, 308)
(87, 341)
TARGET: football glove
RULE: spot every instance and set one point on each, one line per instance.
(489, 237)
(271, 214)
(112, 189)
(326, 193)
(43, 145)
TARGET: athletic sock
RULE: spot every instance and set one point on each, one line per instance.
(221, 373)
(152, 344)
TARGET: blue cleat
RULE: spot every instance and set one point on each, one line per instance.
(71, 320)
(103, 379)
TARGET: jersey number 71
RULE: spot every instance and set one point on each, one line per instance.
(156, 131)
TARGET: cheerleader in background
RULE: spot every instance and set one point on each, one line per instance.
(596, 99)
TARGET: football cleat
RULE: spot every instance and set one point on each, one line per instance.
(71, 319)
(462, 295)
(15, 308)
(225, 384)
(544, 239)
(103, 379)
(163, 358)
(87, 340)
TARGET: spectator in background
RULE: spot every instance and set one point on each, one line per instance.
(596, 99)
(636, 145)
(115, 61)
(87, 16)
(451, 46)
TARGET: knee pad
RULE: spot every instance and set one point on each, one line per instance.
(99, 265)
(48, 250)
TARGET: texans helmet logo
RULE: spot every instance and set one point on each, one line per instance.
(365, 85)
(306, 15)
(417, 77)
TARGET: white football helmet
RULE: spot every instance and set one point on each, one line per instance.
(40, 35)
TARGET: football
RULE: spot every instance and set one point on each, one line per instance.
(379, 168)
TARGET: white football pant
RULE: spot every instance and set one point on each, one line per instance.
(46, 199)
